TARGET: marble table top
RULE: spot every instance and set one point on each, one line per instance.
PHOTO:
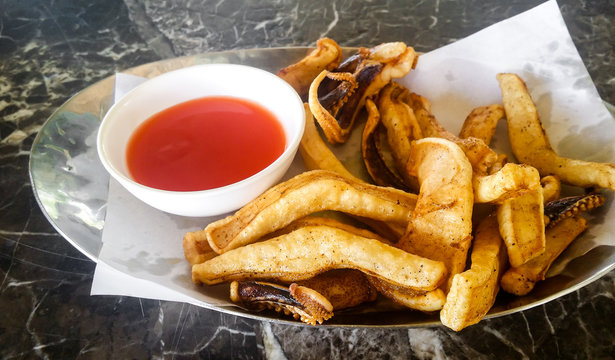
(51, 50)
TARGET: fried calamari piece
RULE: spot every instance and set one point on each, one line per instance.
(315, 153)
(305, 194)
(317, 156)
(515, 187)
(337, 97)
(551, 188)
(300, 302)
(479, 154)
(530, 143)
(326, 56)
(344, 288)
(521, 280)
(517, 190)
(522, 226)
(196, 247)
(510, 181)
(311, 250)
(560, 209)
(473, 291)
(481, 122)
(396, 119)
(327, 221)
(416, 102)
(401, 127)
(313, 300)
(370, 149)
(440, 227)
(427, 301)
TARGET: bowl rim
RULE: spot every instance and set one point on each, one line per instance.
(289, 151)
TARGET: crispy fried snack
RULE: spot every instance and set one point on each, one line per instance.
(480, 155)
(344, 288)
(440, 227)
(473, 291)
(315, 153)
(336, 97)
(317, 156)
(305, 194)
(302, 303)
(517, 190)
(522, 226)
(394, 116)
(551, 188)
(401, 127)
(370, 149)
(423, 301)
(196, 247)
(326, 56)
(530, 143)
(560, 209)
(510, 181)
(481, 122)
(312, 250)
(521, 280)
(312, 300)
(316, 220)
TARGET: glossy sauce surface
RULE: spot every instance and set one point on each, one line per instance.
(203, 144)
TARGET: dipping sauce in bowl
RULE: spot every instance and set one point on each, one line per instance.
(203, 140)
(203, 144)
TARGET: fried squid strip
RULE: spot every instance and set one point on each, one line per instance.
(326, 221)
(300, 302)
(473, 291)
(530, 143)
(480, 155)
(374, 162)
(344, 288)
(401, 127)
(311, 250)
(362, 76)
(196, 247)
(440, 227)
(517, 190)
(305, 194)
(313, 300)
(317, 156)
(481, 122)
(560, 209)
(315, 153)
(423, 301)
(326, 56)
(521, 280)
(510, 181)
(326, 117)
(522, 226)
(551, 188)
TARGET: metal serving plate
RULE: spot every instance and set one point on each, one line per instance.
(71, 185)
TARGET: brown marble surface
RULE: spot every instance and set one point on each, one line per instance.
(49, 50)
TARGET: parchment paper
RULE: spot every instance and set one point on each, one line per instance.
(142, 253)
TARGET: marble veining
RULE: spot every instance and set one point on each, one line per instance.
(50, 50)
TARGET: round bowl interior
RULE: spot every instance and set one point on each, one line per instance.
(178, 86)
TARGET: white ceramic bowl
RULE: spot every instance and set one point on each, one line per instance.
(189, 83)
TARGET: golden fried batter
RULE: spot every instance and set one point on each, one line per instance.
(305, 194)
(312, 250)
(530, 143)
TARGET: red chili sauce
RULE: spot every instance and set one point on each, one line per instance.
(204, 143)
